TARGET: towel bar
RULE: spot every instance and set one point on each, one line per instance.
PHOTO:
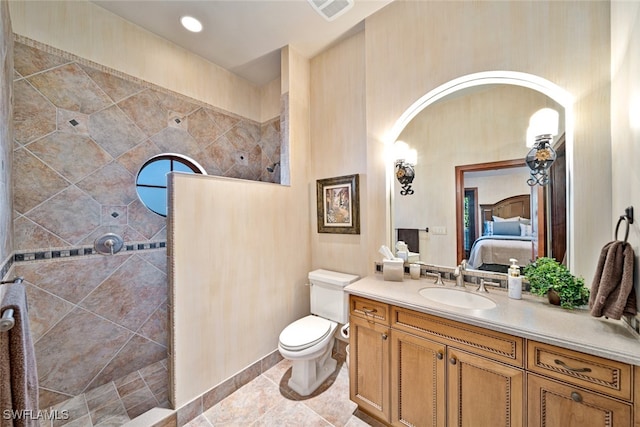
(7, 321)
(628, 218)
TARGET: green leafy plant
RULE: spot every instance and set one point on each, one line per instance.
(547, 274)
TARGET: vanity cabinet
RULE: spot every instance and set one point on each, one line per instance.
(369, 357)
(413, 368)
(582, 390)
(439, 373)
(462, 369)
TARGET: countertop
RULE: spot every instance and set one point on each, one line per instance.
(532, 317)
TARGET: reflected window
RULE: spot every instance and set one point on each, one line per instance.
(151, 182)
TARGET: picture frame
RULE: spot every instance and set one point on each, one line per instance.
(338, 204)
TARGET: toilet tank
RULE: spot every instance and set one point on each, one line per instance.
(328, 298)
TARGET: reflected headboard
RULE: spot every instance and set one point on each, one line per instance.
(508, 208)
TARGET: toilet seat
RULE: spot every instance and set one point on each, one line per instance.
(305, 333)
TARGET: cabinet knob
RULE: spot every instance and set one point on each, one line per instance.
(453, 360)
(439, 355)
(576, 396)
(384, 336)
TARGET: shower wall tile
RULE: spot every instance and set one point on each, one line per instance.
(68, 214)
(28, 234)
(60, 151)
(34, 182)
(219, 155)
(72, 122)
(120, 189)
(33, 115)
(29, 60)
(76, 349)
(71, 279)
(136, 354)
(144, 221)
(172, 140)
(130, 295)
(146, 111)
(155, 328)
(133, 159)
(69, 87)
(116, 88)
(45, 310)
(113, 130)
(203, 128)
(156, 258)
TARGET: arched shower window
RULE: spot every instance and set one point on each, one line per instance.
(151, 182)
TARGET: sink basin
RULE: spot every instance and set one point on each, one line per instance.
(457, 298)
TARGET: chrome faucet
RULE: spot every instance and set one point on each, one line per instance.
(459, 274)
(438, 277)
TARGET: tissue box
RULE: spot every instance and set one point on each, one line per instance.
(393, 269)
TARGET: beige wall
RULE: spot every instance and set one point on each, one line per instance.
(240, 256)
(93, 33)
(338, 148)
(411, 49)
(625, 117)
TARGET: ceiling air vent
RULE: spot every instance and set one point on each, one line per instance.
(331, 9)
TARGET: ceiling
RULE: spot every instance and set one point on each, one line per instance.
(245, 36)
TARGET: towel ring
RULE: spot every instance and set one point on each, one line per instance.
(626, 233)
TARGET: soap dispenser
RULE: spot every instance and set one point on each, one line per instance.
(515, 280)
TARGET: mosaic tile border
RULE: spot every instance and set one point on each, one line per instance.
(6, 267)
(68, 252)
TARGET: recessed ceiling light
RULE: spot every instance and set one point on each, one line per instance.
(191, 24)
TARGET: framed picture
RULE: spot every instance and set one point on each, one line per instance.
(338, 205)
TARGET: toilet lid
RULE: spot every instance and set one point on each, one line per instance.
(304, 333)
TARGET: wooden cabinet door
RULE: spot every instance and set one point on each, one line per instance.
(417, 381)
(553, 404)
(482, 392)
(369, 366)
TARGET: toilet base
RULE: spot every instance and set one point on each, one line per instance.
(307, 375)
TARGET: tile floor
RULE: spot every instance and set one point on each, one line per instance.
(268, 401)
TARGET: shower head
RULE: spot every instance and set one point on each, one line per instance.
(273, 167)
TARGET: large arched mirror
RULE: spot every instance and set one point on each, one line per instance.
(470, 175)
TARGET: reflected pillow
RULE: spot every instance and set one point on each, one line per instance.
(500, 219)
(525, 230)
(506, 228)
(525, 221)
(488, 228)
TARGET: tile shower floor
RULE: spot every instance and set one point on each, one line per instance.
(268, 401)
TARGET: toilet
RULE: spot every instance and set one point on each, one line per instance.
(308, 342)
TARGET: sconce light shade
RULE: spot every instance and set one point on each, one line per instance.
(543, 126)
(544, 122)
(405, 162)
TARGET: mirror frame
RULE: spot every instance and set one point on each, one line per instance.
(546, 87)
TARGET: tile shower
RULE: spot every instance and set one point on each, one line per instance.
(81, 133)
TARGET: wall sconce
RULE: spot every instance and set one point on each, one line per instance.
(543, 126)
(405, 162)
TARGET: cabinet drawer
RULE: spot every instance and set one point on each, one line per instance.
(495, 345)
(593, 372)
(367, 309)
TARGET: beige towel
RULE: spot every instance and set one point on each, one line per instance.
(612, 292)
(18, 373)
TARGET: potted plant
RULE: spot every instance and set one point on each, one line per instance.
(547, 276)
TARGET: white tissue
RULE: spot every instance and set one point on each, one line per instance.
(386, 252)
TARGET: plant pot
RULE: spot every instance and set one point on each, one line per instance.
(553, 296)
